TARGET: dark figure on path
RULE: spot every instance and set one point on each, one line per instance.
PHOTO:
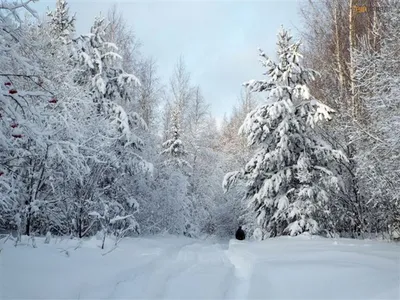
(240, 235)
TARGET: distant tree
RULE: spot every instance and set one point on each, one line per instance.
(62, 25)
(119, 33)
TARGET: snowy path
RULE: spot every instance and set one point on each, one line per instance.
(181, 268)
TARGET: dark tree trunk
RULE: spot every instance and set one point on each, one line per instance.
(28, 225)
(80, 228)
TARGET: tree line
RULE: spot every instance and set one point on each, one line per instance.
(92, 141)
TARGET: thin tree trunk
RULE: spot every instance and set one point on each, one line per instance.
(337, 48)
(80, 223)
(28, 223)
(375, 27)
(104, 240)
(352, 41)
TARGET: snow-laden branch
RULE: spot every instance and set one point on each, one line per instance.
(12, 7)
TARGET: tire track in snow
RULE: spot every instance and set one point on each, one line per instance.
(173, 267)
(190, 270)
(243, 262)
(147, 278)
(125, 281)
(208, 277)
(188, 258)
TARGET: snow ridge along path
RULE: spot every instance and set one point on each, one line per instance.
(243, 261)
(167, 267)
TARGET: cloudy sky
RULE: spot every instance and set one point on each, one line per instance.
(218, 39)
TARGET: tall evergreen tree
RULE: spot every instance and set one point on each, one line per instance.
(288, 178)
(62, 25)
(112, 175)
(176, 171)
(174, 148)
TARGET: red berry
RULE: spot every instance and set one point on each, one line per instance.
(7, 83)
(17, 136)
(1, 173)
(14, 125)
(53, 100)
(12, 91)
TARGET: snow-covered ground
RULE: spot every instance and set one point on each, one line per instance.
(181, 268)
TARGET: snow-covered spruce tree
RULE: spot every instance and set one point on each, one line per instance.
(174, 178)
(108, 84)
(62, 25)
(111, 203)
(289, 177)
(174, 149)
(102, 68)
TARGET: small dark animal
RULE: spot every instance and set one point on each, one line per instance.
(240, 235)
